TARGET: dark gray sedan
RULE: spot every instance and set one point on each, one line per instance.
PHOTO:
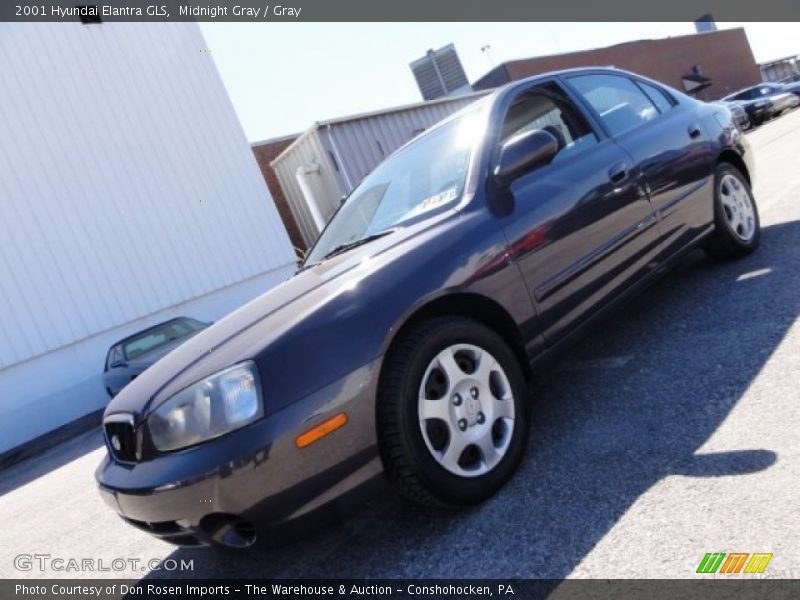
(763, 102)
(129, 357)
(402, 348)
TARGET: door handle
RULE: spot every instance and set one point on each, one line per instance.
(694, 131)
(618, 173)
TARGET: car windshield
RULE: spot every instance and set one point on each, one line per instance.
(749, 94)
(422, 179)
(159, 336)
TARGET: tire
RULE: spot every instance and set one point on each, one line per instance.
(737, 230)
(486, 385)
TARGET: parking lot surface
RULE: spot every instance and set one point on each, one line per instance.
(669, 432)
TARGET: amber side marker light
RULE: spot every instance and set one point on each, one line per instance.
(321, 430)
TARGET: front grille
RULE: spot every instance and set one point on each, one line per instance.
(121, 439)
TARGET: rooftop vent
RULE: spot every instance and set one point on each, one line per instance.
(439, 73)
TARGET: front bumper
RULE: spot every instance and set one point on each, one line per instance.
(759, 114)
(246, 483)
(742, 120)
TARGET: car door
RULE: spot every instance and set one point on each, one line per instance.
(580, 227)
(668, 146)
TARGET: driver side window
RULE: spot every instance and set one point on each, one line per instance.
(547, 108)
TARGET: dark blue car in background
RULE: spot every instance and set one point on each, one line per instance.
(129, 357)
(403, 346)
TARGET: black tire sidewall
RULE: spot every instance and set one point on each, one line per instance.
(444, 485)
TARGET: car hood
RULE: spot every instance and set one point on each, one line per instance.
(222, 344)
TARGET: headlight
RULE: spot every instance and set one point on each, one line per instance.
(214, 406)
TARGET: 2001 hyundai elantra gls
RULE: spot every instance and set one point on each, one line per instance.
(404, 342)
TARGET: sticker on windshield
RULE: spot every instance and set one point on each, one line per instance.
(437, 200)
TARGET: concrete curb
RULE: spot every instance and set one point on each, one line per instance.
(51, 439)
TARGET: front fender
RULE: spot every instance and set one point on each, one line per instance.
(352, 321)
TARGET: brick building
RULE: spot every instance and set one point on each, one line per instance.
(265, 152)
(724, 57)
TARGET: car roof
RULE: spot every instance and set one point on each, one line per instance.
(574, 71)
(509, 88)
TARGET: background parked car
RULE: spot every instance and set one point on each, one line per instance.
(740, 116)
(791, 86)
(130, 356)
(763, 102)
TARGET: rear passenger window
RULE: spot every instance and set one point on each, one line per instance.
(622, 105)
(657, 95)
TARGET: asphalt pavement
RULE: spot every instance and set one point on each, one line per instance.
(669, 432)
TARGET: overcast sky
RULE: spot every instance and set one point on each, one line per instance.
(282, 77)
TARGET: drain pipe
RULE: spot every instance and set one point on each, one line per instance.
(302, 173)
(338, 158)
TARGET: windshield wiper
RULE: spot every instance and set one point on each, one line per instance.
(359, 242)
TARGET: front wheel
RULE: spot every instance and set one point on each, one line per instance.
(452, 418)
(738, 228)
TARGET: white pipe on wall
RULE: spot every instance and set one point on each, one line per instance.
(302, 173)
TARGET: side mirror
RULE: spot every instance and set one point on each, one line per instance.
(118, 364)
(524, 152)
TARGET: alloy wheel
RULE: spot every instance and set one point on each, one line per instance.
(737, 206)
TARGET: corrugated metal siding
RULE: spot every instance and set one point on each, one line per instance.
(127, 184)
(359, 144)
(308, 150)
(364, 143)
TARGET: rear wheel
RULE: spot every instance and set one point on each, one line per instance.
(451, 412)
(738, 228)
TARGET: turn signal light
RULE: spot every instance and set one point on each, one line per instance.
(321, 430)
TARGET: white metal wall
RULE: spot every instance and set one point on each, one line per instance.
(127, 189)
(357, 145)
(363, 143)
(308, 150)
